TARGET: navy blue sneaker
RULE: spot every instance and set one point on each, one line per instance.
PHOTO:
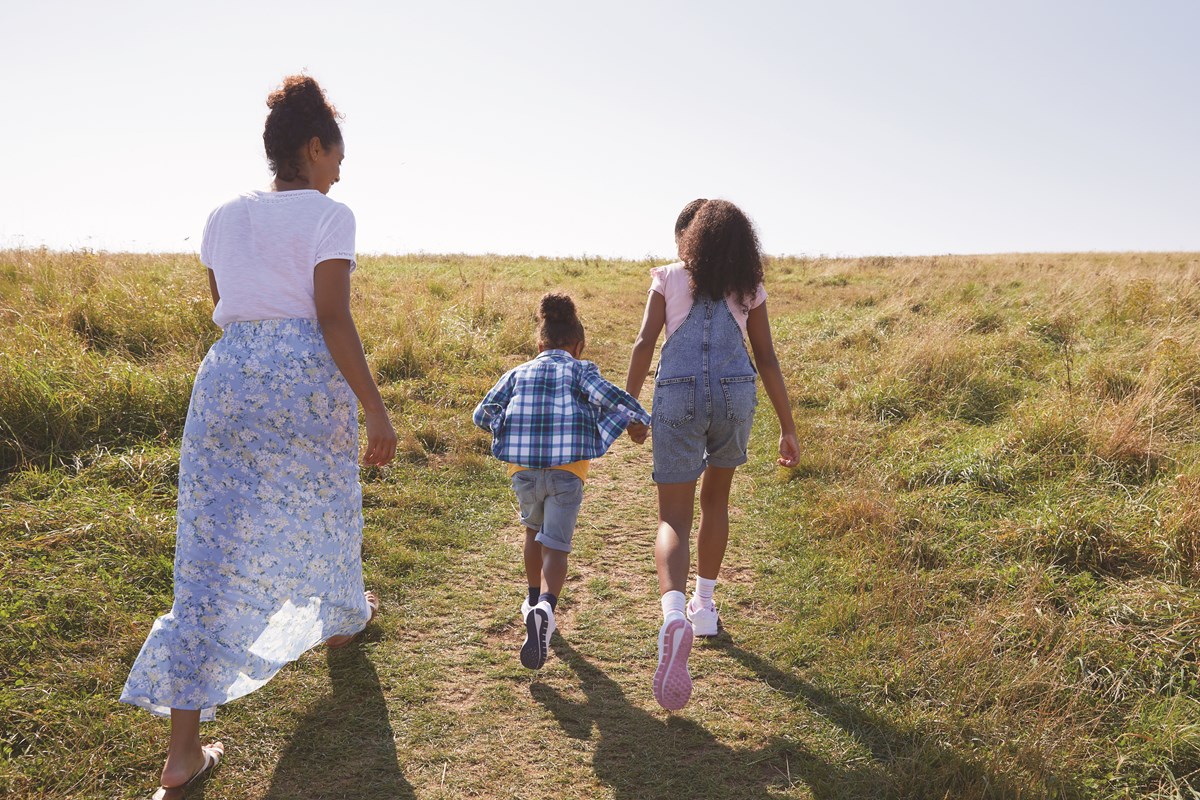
(539, 627)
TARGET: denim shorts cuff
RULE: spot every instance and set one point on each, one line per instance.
(553, 544)
(728, 463)
(678, 477)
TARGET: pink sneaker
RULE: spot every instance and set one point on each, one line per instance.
(672, 681)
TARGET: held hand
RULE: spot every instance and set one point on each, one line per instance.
(637, 432)
(789, 450)
(381, 439)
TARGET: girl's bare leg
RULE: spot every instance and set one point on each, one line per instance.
(671, 546)
(714, 520)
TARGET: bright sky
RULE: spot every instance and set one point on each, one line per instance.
(566, 128)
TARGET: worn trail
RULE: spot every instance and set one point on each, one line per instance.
(436, 705)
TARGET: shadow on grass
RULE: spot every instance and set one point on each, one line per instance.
(642, 756)
(904, 762)
(344, 747)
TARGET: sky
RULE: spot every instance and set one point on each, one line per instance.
(569, 129)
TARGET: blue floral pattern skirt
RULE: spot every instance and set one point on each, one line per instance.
(268, 549)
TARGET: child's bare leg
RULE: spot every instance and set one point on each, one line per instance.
(185, 754)
(671, 551)
(533, 558)
(714, 520)
(554, 570)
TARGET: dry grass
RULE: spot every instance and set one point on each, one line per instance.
(1181, 526)
(979, 583)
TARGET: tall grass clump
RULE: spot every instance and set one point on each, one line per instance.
(946, 373)
(98, 350)
(68, 400)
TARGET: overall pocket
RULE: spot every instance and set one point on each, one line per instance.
(741, 397)
(674, 401)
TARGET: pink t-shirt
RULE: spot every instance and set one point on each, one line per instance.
(674, 284)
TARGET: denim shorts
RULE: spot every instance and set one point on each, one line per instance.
(549, 500)
(689, 436)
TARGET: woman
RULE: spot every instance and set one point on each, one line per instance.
(268, 554)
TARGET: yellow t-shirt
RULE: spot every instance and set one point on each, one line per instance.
(579, 468)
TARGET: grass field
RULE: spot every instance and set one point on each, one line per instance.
(980, 582)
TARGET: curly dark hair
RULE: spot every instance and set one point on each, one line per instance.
(558, 322)
(299, 111)
(721, 250)
(687, 215)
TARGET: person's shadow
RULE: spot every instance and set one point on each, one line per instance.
(344, 747)
(642, 756)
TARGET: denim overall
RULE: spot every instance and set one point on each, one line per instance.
(704, 395)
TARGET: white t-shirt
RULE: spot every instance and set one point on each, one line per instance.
(262, 248)
(675, 285)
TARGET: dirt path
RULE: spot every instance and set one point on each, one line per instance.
(439, 706)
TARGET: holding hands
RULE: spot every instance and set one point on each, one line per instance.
(789, 447)
(638, 431)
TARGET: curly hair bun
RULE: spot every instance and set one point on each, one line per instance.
(299, 111)
(559, 324)
(303, 96)
(557, 308)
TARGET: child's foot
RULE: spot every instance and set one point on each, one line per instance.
(704, 617)
(672, 681)
(539, 627)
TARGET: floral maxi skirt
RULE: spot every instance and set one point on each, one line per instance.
(268, 549)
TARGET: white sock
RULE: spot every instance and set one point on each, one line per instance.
(704, 591)
(673, 603)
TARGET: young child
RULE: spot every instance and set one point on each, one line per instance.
(704, 400)
(548, 418)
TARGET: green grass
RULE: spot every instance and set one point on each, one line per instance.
(980, 581)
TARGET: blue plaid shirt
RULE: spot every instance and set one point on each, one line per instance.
(554, 410)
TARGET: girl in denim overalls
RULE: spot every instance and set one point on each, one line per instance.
(704, 400)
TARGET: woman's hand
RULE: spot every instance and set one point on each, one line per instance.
(789, 450)
(381, 439)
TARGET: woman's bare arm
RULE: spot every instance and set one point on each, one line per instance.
(331, 290)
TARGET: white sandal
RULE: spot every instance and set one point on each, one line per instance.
(212, 757)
